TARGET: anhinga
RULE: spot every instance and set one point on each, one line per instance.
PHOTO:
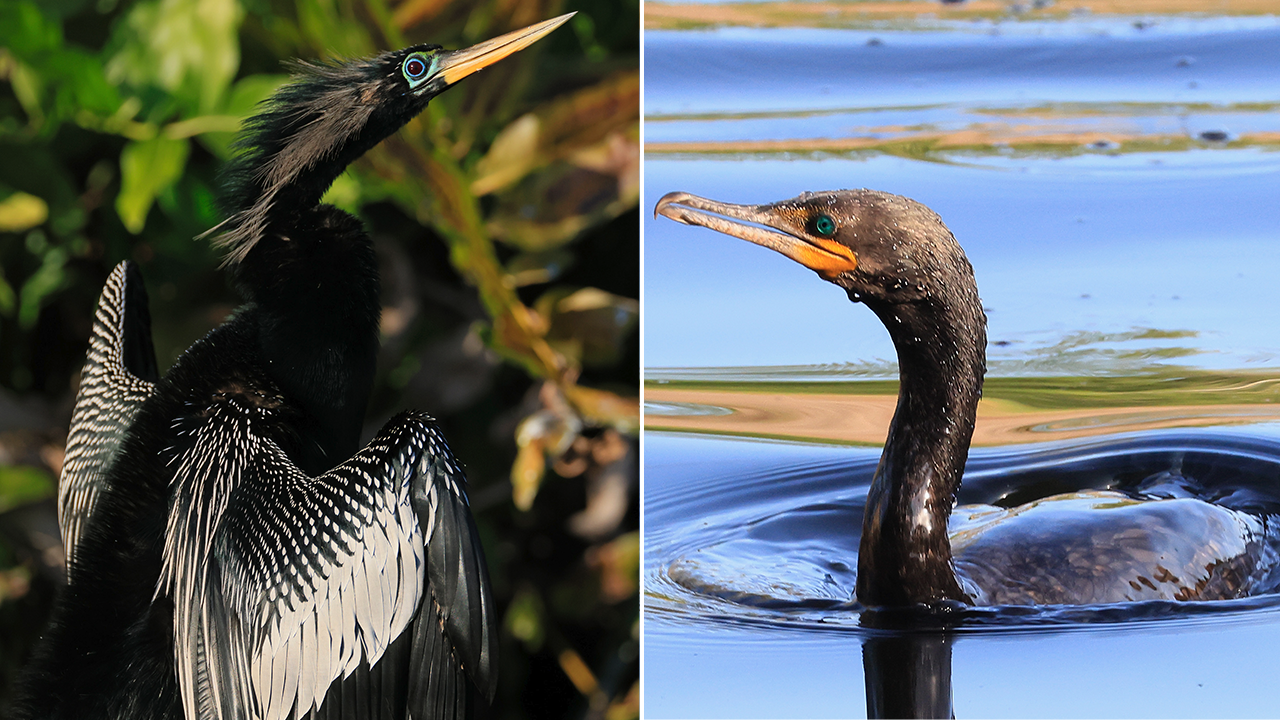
(896, 256)
(232, 551)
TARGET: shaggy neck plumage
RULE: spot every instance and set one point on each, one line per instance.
(308, 270)
(307, 135)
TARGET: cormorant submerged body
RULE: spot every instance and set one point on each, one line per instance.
(896, 256)
(232, 551)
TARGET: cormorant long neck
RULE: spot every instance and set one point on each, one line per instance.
(897, 257)
(905, 554)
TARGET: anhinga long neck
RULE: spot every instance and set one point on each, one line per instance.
(905, 554)
(315, 311)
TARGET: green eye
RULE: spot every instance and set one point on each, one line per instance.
(416, 68)
(824, 226)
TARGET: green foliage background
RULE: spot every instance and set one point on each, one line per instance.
(505, 220)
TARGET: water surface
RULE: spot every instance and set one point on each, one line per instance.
(1113, 180)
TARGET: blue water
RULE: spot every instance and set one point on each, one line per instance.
(732, 502)
(1062, 243)
(1152, 254)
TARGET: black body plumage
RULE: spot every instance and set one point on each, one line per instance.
(236, 553)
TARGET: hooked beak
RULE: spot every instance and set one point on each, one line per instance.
(825, 256)
(457, 64)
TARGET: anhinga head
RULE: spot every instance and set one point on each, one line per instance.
(307, 270)
(331, 114)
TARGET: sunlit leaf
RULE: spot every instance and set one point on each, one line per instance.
(511, 156)
(618, 562)
(602, 407)
(28, 89)
(578, 672)
(558, 129)
(20, 212)
(591, 323)
(526, 474)
(627, 707)
(539, 267)
(146, 169)
(588, 187)
(188, 48)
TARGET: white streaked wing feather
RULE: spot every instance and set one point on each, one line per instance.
(312, 599)
(106, 404)
(352, 651)
(307, 680)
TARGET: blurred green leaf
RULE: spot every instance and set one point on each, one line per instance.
(27, 88)
(240, 103)
(48, 279)
(189, 48)
(21, 484)
(7, 299)
(525, 619)
(80, 84)
(26, 32)
(343, 35)
(146, 169)
(49, 78)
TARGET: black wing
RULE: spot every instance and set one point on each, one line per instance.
(288, 590)
(119, 373)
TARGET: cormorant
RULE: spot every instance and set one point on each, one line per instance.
(232, 551)
(896, 256)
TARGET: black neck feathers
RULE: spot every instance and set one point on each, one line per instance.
(905, 553)
(313, 301)
(306, 135)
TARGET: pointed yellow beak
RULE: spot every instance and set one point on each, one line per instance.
(458, 64)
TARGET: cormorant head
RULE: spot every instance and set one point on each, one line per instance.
(327, 116)
(882, 249)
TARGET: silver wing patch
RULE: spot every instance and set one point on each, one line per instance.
(282, 583)
(107, 402)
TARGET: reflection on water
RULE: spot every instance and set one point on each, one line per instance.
(908, 674)
(805, 406)
(683, 409)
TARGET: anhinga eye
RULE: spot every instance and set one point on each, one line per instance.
(823, 225)
(416, 68)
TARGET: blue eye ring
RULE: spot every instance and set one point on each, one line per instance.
(417, 67)
(823, 225)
